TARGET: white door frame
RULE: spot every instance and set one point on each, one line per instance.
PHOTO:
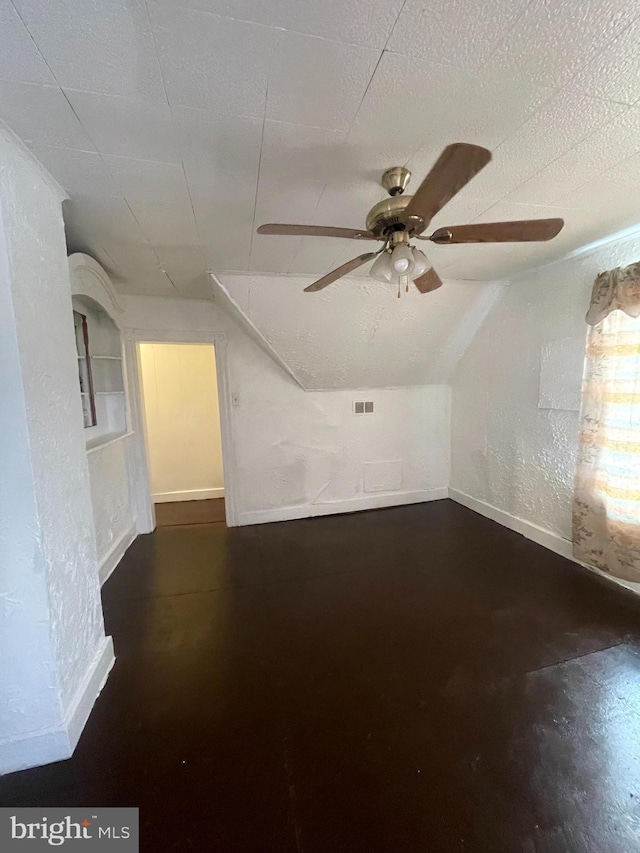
(145, 511)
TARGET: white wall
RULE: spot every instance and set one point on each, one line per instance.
(182, 421)
(357, 333)
(111, 502)
(507, 452)
(55, 655)
(300, 453)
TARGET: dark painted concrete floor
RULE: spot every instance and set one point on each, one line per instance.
(412, 679)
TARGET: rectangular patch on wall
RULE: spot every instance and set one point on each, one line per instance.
(383, 476)
(561, 366)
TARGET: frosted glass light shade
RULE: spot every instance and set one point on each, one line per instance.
(381, 269)
(420, 263)
(402, 259)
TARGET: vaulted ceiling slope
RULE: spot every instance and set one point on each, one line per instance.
(177, 126)
(358, 334)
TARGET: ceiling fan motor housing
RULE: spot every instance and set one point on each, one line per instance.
(388, 216)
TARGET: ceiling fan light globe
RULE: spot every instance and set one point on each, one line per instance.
(420, 263)
(381, 269)
(402, 259)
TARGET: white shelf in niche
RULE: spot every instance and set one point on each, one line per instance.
(99, 441)
(107, 393)
(108, 357)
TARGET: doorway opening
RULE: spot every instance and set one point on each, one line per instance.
(181, 414)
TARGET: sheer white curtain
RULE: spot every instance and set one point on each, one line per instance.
(606, 517)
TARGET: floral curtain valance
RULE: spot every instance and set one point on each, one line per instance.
(618, 288)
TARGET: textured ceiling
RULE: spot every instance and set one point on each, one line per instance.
(176, 128)
(358, 334)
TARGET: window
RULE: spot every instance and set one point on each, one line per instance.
(84, 370)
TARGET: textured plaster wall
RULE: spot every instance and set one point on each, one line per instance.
(51, 626)
(506, 450)
(295, 448)
(110, 494)
(357, 333)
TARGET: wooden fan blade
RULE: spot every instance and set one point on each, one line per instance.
(332, 276)
(519, 231)
(316, 231)
(428, 281)
(454, 168)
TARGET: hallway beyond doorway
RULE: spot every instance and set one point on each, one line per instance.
(190, 512)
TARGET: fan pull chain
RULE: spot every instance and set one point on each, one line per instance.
(403, 279)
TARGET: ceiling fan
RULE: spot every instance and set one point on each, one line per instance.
(395, 221)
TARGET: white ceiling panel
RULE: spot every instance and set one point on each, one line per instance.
(316, 255)
(367, 22)
(225, 245)
(184, 124)
(196, 287)
(615, 72)
(561, 123)
(78, 172)
(126, 127)
(100, 220)
(495, 105)
(42, 114)
(460, 210)
(336, 73)
(582, 163)
(347, 203)
(96, 46)
(272, 253)
(20, 59)
(459, 32)
(365, 157)
(213, 63)
(409, 101)
(230, 143)
(168, 222)
(551, 41)
(292, 153)
(148, 179)
(182, 263)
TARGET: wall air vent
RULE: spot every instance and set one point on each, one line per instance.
(363, 407)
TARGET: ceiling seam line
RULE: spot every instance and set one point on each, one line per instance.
(506, 33)
(122, 195)
(35, 43)
(373, 73)
(278, 29)
(551, 162)
(315, 210)
(157, 56)
(198, 233)
(255, 201)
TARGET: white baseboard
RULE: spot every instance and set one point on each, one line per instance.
(115, 554)
(373, 501)
(553, 541)
(188, 495)
(56, 744)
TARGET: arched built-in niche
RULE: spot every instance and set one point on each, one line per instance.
(99, 346)
(109, 449)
